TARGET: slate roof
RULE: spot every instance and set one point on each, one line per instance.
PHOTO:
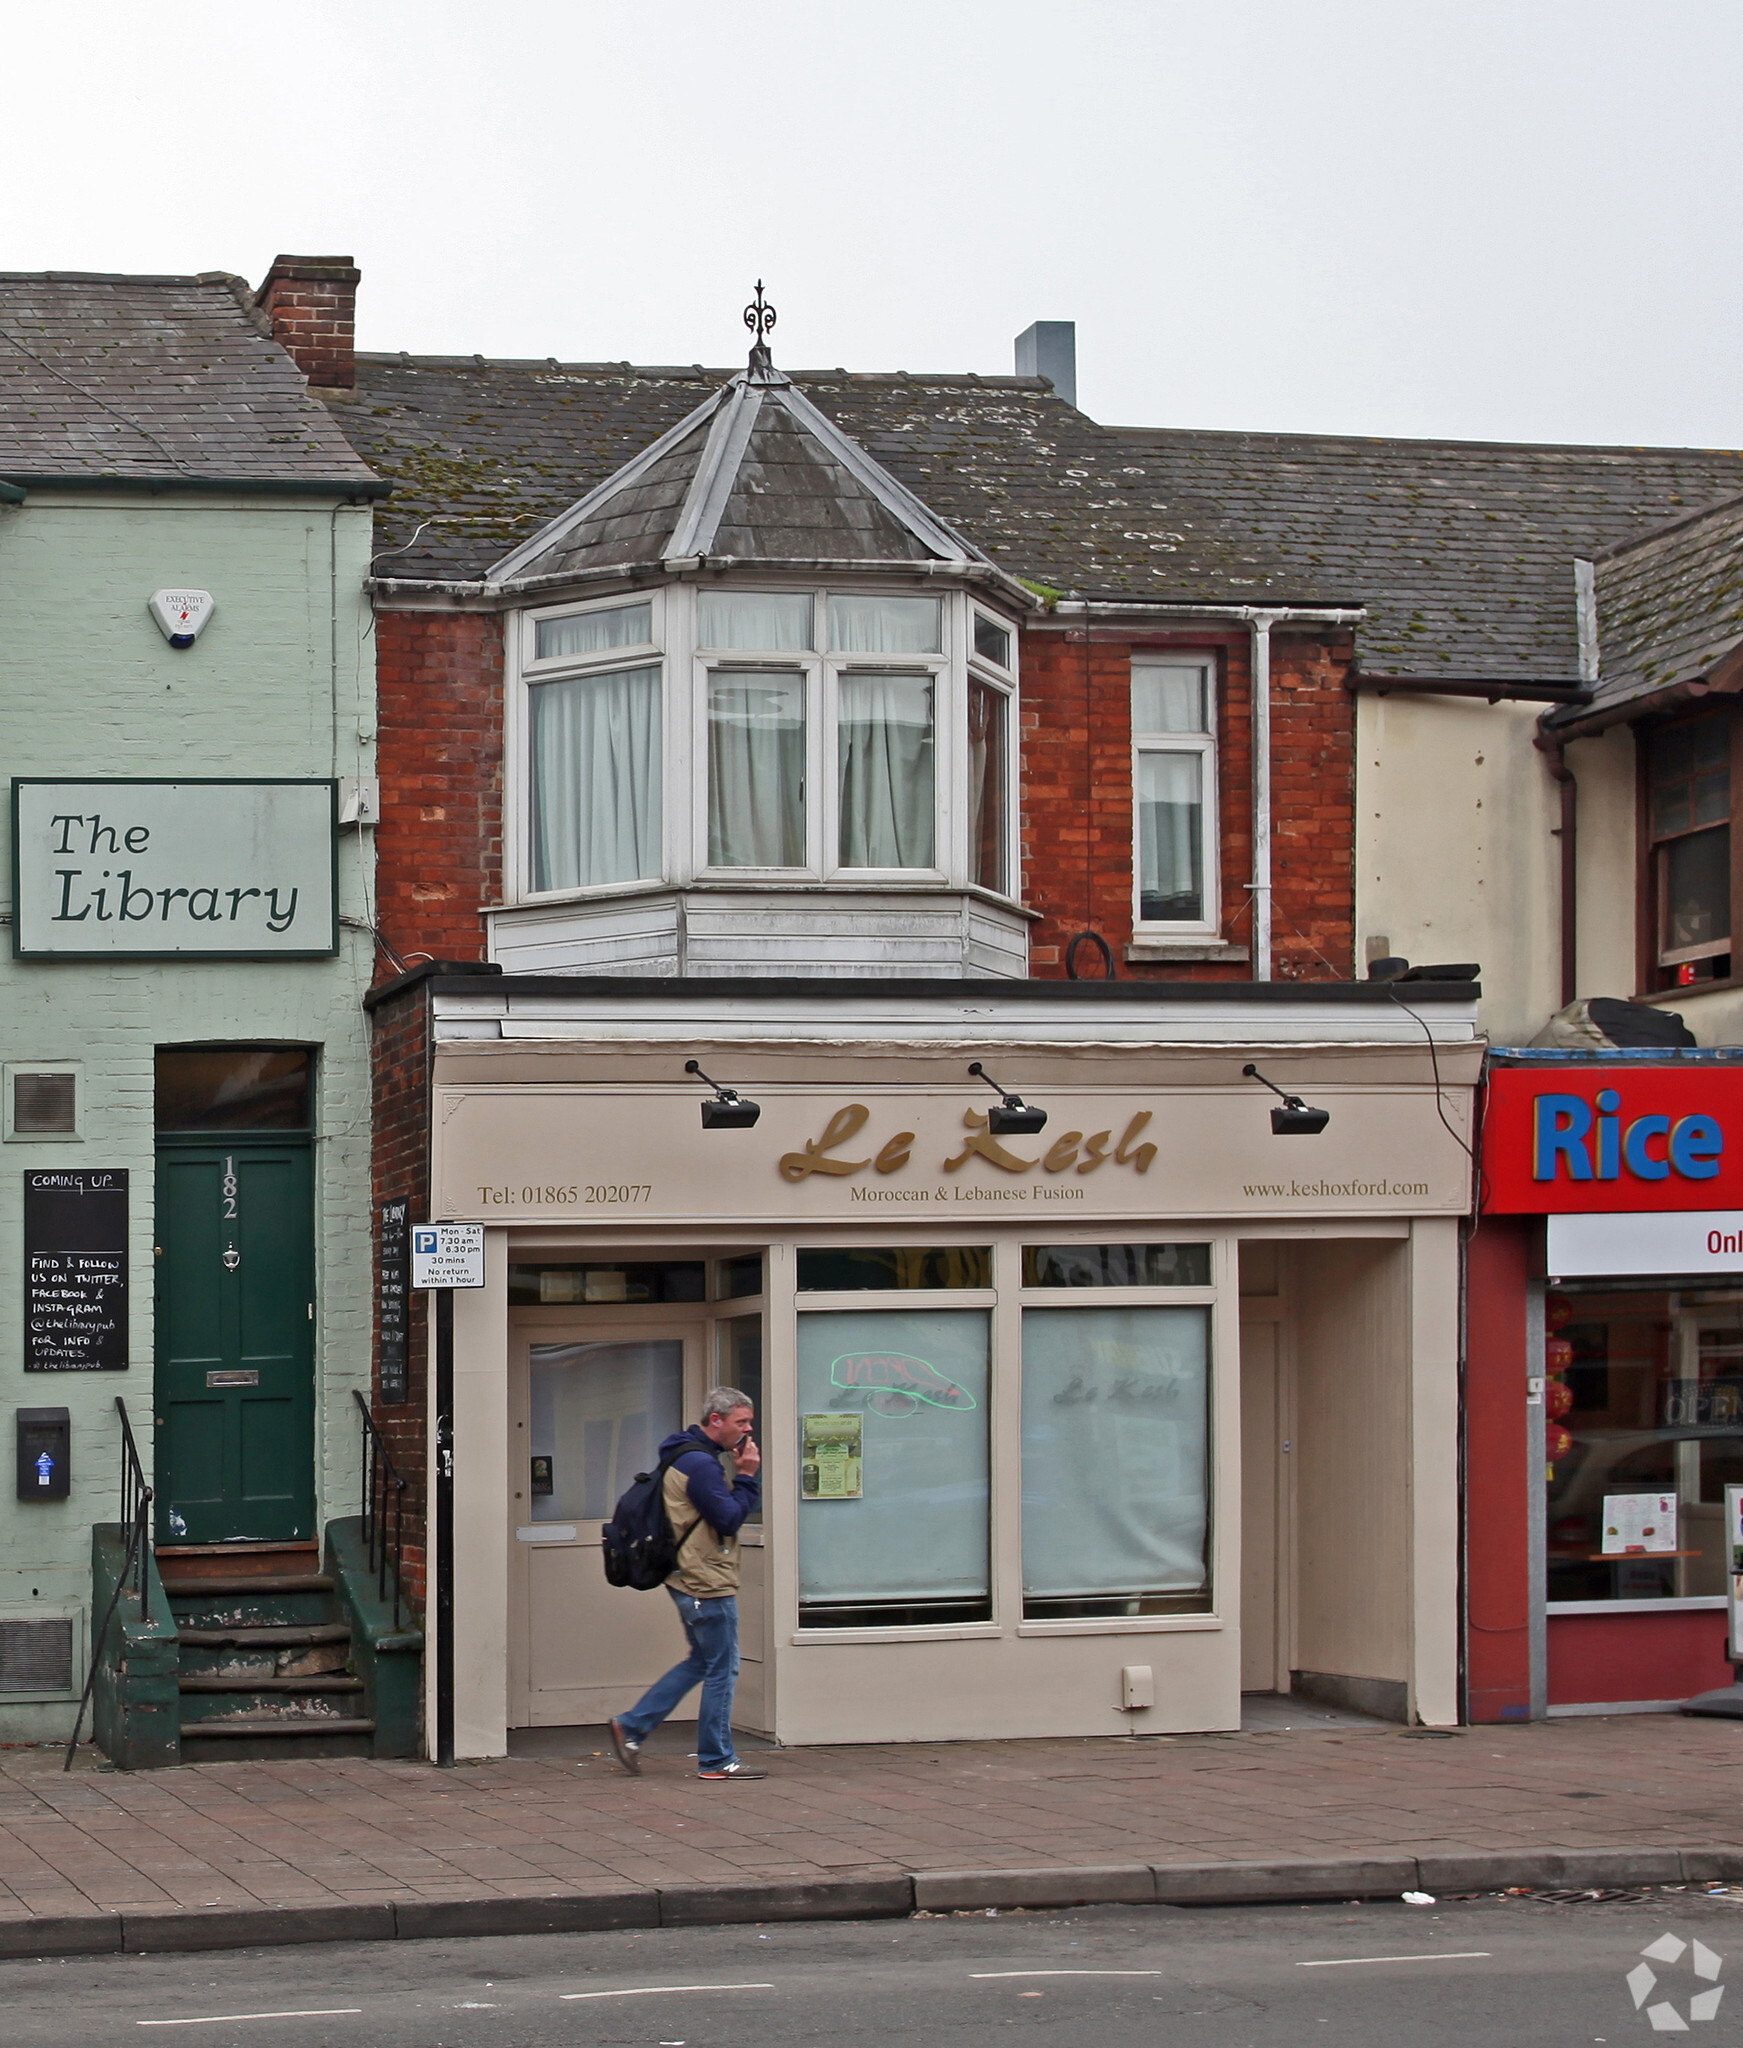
(1670, 610)
(754, 474)
(1462, 551)
(155, 378)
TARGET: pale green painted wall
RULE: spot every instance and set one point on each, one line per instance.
(280, 683)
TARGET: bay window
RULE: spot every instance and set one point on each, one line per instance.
(766, 734)
(1174, 794)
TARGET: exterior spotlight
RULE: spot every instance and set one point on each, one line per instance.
(729, 1111)
(1294, 1119)
(1013, 1118)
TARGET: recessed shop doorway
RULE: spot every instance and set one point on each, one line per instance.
(234, 1274)
(608, 1356)
(1267, 1495)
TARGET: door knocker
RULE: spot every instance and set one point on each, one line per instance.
(232, 1258)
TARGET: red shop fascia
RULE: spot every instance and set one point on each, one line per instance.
(1604, 1379)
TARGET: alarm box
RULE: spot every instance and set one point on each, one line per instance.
(45, 1438)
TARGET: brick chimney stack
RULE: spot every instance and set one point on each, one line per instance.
(312, 304)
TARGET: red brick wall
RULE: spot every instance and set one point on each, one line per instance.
(1077, 800)
(400, 1056)
(438, 850)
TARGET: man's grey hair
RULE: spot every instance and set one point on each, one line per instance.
(725, 1401)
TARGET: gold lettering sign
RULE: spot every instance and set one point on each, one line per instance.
(1069, 1152)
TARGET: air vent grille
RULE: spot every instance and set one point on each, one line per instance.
(44, 1105)
(37, 1656)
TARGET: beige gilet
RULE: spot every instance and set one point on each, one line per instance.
(707, 1561)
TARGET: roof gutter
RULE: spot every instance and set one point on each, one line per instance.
(12, 494)
(225, 486)
(1498, 689)
(1260, 620)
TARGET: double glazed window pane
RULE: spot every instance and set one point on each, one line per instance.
(598, 1414)
(886, 625)
(887, 780)
(1170, 837)
(624, 625)
(596, 778)
(1115, 1460)
(913, 1546)
(1697, 890)
(988, 831)
(762, 622)
(1168, 697)
(756, 769)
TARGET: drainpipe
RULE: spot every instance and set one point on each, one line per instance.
(1556, 761)
(1260, 626)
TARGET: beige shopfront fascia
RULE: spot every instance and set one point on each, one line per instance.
(1325, 1288)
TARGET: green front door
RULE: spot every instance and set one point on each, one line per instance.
(235, 1390)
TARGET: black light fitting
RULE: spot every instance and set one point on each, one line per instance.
(1295, 1119)
(729, 1111)
(1014, 1118)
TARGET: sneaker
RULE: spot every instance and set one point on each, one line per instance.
(733, 1770)
(629, 1754)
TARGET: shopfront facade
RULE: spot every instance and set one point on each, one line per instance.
(1079, 1432)
(1606, 1379)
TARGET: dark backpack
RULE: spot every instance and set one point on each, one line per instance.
(640, 1549)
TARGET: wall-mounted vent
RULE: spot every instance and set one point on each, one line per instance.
(36, 1656)
(44, 1105)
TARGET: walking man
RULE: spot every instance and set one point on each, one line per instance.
(706, 1515)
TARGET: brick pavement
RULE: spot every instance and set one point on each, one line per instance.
(302, 1834)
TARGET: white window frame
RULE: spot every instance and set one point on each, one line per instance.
(1204, 745)
(685, 668)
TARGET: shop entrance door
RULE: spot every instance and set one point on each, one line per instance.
(235, 1391)
(591, 1400)
(1266, 1520)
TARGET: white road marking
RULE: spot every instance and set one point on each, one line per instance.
(648, 1990)
(981, 1975)
(1448, 1955)
(216, 2019)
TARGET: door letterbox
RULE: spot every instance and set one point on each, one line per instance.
(44, 1454)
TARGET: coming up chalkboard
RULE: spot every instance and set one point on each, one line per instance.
(75, 1272)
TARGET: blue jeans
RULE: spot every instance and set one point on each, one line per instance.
(712, 1629)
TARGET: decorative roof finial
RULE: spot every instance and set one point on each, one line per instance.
(759, 317)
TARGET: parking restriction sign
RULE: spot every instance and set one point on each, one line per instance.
(447, 1254)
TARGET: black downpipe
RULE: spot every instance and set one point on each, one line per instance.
(444, 1528)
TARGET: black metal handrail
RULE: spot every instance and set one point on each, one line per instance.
(136, 1520)
(381, 1483)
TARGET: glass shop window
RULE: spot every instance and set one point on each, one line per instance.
(738, 1276)
(234, 1088)
(893, 1468)
(1116, 1265)
(1116, 1462)
(877, 1267)
(602, 1284)
(598, 1415)
(1643, 1413)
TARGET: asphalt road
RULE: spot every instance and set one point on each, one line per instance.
(1517, 1973)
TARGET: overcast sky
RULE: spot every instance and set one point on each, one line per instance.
(1513, 221)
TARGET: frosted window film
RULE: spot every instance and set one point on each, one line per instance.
(1115, 1450)
(919, 1380)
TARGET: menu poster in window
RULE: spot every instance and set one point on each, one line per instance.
(1639, 1522)
(395, 1281)
(75, 1271)
(830, 1460)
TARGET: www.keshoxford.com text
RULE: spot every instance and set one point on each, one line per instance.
(1309, 1190)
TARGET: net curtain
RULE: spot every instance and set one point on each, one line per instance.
(596, 780)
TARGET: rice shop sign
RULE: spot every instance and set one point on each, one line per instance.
(190, 869)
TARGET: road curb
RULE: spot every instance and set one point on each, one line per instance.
(1285, 1881)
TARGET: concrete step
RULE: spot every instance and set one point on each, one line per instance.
(265, 1636)
(270, 1727)
(297, 1682)
(245, 1585)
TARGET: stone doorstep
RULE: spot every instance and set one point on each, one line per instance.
(1287, 1880)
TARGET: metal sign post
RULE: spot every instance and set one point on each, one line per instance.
(445, 1256)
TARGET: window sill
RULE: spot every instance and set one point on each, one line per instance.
(947, 1632)
(1683, 1606)
(1185, 949)
(1125, 1625)
(1697, 988)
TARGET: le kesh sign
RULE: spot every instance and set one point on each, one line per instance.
(197, 869)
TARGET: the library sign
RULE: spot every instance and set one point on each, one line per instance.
(200, 869)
